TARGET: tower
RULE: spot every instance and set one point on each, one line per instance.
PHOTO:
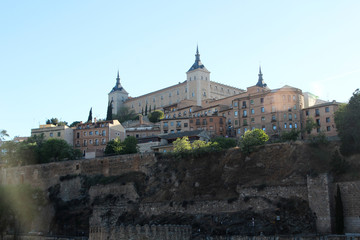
(261, 82)
(198, 81)
(117, 96)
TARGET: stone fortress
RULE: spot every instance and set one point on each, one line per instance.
(273, 110)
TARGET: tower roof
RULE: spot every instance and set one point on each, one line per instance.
(261, 82)
(197, 64)
(118, 86)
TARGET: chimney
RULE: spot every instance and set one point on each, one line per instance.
(141, 119)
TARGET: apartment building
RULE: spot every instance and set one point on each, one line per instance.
(323, 115)
(54, 131)
(91, 137)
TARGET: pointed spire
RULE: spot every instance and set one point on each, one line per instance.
(118, 79)
(260, 82)
(197, 63)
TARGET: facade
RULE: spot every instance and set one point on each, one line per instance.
(91, 138)
(273, 111)
(53, 131)
(196, 88)
(213, 124)
(141, 129)
(323, 115)
(174, 125)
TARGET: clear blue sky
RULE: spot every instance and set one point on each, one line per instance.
(59, 58)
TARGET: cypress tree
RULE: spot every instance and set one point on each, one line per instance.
(150, 109)
(146, 110)
(142, 111)
(339, 213)
(109, 112)
(90, 116)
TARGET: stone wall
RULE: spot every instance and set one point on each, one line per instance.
(319, 195)
(350, 194)
(158, 232)
(46, 175)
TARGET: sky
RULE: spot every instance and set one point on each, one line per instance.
(60, 58)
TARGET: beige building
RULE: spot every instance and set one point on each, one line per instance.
(323, 115)
(54, 131)
(273, 111)
(91, 138)
(196, 88)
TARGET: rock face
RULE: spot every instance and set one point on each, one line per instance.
(217, 194)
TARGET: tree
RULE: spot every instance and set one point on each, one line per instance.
(339, 213)
(74, 124)
(150, 109)
(57, 150)
(252, 138)
(3, 134)
(109, 112)
(118, 147)
(142, 111)
(309, 125)
(125, 114)
(182, 144)
(90, 115)
(146, 110)
(155, 116)
(347, 119)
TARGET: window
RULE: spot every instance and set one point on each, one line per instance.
(273, 118)
(177, 92)
(327, 119)
(262, 109)
(244, 104)
(77, 135)
(96, 142)
(244, 113)
(204, 94)
(235, 104)
(197, 122)
(251, 101)
(252, 120)
(211, 120)
(294, 98)
(285, 125)
(263, 128)
(327, 109)
(284, 116)
(317, 112)
(204, 122)
(59, 134)
(290, 117)
(295, 125)
(294, 115)
(239, 131)
(318, 122)
(289, 98)
(165, 124)
(96, 132)
(236, 113)
(307, 112)
(103, 141)
(90, 133)
(261, 100)
(262, 118)
(162, 98)
(193, 94)
(295, 107)
(170, 94)
(172, 124)
(274, 127)
(245, 129)
(245, 122)
(252, 111)
(90, 141)
(85, 134)
(328, 128)
(51, 134)
(252, 128)
(186, 124)
(236, 122)
(153, 99)
(290, 125)
(273, 109)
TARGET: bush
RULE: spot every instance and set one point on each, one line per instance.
(252, 138)
(155, 116)
(293, 135)
(118, 147)
(224, 143)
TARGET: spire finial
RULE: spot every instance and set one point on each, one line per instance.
(118, 74)
(197, 55)
(260, 69)
(260, 82)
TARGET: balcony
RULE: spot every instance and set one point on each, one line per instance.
(317, 114)
(77, 145)
(244, 106)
